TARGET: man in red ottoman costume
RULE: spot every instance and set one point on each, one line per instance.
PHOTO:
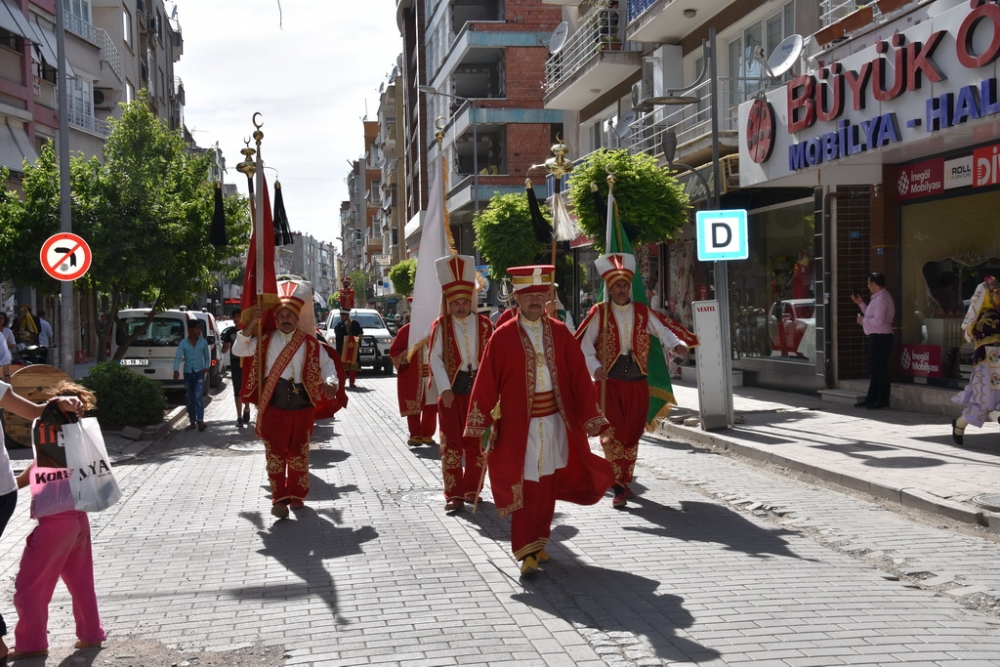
(534, 396)
(416, 403)
(457, 343)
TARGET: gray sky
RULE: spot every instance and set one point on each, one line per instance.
(309, 71)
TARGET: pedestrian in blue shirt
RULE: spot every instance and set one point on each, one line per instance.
(194, 351)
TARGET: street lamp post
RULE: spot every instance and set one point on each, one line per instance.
(431, 90)
(721, 270)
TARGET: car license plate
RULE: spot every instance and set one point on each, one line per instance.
(134, 362)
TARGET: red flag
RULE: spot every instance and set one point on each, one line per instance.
(269, 296)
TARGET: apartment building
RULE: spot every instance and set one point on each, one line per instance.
(309, 258)
(113, 48)
(482, 63)
(391, 217)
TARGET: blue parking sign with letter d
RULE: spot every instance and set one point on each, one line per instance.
(722, 235)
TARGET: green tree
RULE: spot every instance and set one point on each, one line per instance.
(145, 211)
(504, 234)
(403, 275)
(649, 199)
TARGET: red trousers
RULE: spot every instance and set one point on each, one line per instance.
(531, 525)
(460, 481)
(58, 547)
(422, 426)
(286, 435)
(625, 405)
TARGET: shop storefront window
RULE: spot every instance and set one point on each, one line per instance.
(941, 266)
(772, 294)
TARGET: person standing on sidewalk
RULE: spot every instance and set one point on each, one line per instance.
(194, 351)
(45, 337)
(615, 337)
(981, 326)
(416, 402)
(536, 405)
(876, 318)
(236, 370)
(299, 375)
(458, 340)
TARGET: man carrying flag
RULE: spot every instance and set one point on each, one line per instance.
(458, 339)
(298, 381)
(533, 393)
(616, 338)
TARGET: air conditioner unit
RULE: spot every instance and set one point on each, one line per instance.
(102, 98)
(642, 93)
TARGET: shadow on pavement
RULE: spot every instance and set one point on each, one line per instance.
(595, 597)
(300, 545)
(707, 522)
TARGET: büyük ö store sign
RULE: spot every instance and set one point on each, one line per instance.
(930, 72)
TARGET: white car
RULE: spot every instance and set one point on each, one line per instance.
(152, 353)
(375, 338)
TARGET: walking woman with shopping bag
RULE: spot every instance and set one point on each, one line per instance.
(8, 485)
(59, 546)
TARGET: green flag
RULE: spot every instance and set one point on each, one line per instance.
(661, 391)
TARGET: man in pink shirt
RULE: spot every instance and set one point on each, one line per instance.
(876, 318)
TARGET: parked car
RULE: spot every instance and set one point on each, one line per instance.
(375, 340)
(210, 330)
(152, 353)
(791, 324)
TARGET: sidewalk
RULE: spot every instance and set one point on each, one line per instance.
(906, 457)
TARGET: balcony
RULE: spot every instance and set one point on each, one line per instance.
(595, 58)
(80, 27)
(669, 21)
(85, 121)
(109, 54)
(693, 123)
(844, 18)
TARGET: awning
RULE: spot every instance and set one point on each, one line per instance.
(10, 22)
(46, 43)
(15, 147)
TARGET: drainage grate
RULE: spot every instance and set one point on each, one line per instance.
(990, 501)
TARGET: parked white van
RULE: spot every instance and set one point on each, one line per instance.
(152, 353)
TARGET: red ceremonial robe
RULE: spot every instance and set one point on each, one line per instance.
(507, 374)
(411, 376)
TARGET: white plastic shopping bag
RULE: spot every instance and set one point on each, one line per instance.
(94, 486)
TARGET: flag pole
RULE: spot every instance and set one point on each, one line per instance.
(558, 166)
(248, 168)
(259, 238)
(607, 249)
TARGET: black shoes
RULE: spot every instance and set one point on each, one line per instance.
(957, 433)
(862, 404)
(878, 406)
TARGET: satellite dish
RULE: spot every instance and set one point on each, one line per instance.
(784, 56)
(558, 39)
(624, 121)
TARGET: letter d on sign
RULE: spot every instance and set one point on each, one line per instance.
(722, 235)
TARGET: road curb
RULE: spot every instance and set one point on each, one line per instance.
(906, 496)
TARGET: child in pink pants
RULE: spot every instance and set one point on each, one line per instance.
(58, 547)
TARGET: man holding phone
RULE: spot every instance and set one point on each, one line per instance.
(876, 318)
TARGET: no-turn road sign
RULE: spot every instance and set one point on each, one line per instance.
(65, 256)
(722, 235)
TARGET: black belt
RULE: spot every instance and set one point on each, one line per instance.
(289, 396)
(463, 383)
(625, 369)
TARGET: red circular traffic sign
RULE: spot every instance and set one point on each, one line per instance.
(65, 256)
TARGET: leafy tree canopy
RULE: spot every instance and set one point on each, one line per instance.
(145, 211)
(403, 276)
(648, 197)
(504, 234)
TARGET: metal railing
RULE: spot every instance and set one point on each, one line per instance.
(109, 53)
(692, 120)
(87, 122)
(831, 11)
(601, 30)
(78, 26)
